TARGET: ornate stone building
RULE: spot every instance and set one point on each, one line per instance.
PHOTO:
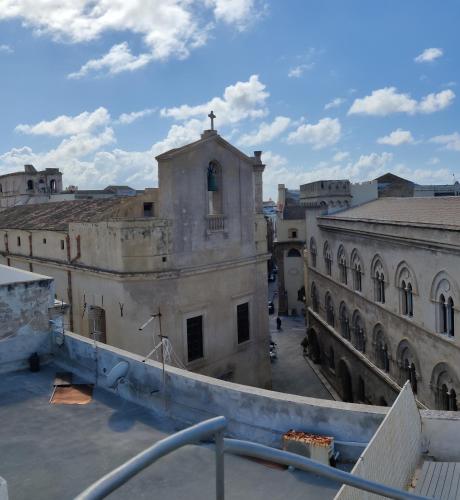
(383, 294)
(194, 250)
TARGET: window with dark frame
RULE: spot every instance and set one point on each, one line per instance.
(19, 241)
(62, 244)
(242, 313)
(195, 338)
(148, 209)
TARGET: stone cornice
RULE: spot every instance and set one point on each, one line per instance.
(143, 276)
(393, 238)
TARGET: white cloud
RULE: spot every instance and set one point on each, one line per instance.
(6, 49)
(429, 55)
(335, 103)
(241, 100)
(324, 133)
(449, 141)
(396, 138)
(117, 60)
(68, 125)
(127, 118)
(436, 102)
(386, 101)
(168, 28)
(299, 70)
(340, 156)
(238, 12)
(266, 132)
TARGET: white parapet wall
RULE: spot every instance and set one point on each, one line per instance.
(3, 489)
(393, 452)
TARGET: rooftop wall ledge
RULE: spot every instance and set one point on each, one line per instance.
(256, 414)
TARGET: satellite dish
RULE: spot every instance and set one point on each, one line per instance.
(119, 371)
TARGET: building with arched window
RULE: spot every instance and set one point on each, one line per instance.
(399, 305)
(30, 186)
(193, 250)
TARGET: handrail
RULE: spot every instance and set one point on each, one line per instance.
(117, 477)
(246, 448)
(216, 426)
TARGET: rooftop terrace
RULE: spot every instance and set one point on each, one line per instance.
(51, 451)
(55, 451)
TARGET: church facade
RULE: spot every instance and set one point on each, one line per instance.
(191, 256)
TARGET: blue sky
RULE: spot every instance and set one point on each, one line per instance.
(328, 89)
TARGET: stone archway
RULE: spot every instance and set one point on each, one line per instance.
(345, 382)
(314, 351)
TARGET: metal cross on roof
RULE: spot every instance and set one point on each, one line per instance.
(212, 116)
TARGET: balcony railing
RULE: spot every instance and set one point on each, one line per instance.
(216, 427)
(215, 223)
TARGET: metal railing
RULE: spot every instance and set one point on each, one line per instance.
(119, 476)
(215, 427)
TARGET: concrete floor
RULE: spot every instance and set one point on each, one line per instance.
(291, 373)
(55, 451)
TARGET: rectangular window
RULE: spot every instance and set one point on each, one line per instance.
(195, 338)
(148, 209)
(19, 241)
(62, 244)
(242, 313)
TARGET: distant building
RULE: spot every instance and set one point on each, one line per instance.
(194, 250)
(383, 289)
(30, 186)
(390, 185)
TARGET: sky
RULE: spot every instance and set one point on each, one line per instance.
(326, 89)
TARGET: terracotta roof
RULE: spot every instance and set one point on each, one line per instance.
(437, 211)
(57, 216)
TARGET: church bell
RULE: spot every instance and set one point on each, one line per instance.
(212, 179)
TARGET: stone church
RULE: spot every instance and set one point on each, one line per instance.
(188, 258)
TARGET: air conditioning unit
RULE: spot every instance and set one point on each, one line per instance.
(314, 446)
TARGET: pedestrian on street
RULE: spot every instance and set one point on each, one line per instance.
(278, 323)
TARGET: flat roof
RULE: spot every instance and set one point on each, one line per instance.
(52, 451)
(9, 275)
(437, 211)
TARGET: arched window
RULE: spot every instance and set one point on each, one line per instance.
(444, 383)
(329, 305)
(214, 183)
(1, 188)
(443, 292)
(378, 275)
(382, 357)
(450, 317)
(52, 186)
(359, 337)
(328, 258)
(314, 297)
(405, 281)
(331, 358)
(313, 251)
(30, 185)
(293, 252)
(357, 270)
(344, 321)
(410, 300)
(342, 262)
(407, 363)
(443, 314)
